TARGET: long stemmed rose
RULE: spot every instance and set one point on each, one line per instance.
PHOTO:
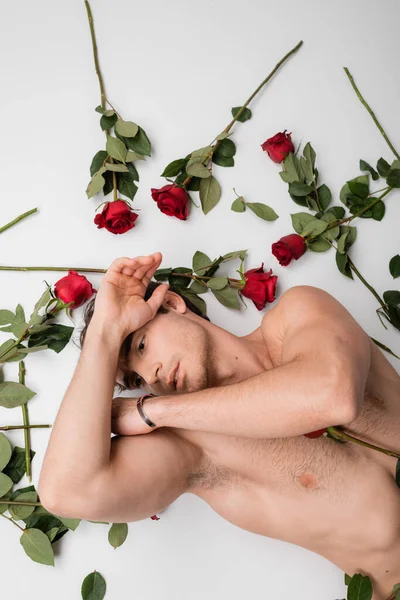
(318, 232)
(194, 172)
(113, 169)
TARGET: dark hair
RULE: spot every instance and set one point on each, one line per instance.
(89, 310)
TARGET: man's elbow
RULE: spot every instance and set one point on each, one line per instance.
(66, 505)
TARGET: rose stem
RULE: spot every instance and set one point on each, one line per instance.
(228, 127)
(341, 434)
(101, 83)
(384, 347)
(26, 214)
(379, 126)
(25, 416)
(9, 427)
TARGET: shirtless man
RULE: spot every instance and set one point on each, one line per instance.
(232, 432)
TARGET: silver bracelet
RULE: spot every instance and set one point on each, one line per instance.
(139, 404)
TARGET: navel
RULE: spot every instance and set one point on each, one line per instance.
(308, 480)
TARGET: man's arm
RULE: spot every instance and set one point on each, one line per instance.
(321, 381)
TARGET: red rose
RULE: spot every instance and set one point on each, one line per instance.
(315, 434)
(116, 217)
(260, 286)
(278, 146)
(288, 247)
(73, 288)
(172, 200)
(155, 518)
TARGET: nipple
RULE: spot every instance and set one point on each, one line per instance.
(308, 481)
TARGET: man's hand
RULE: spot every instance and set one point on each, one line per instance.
(120, 299)
(125, 418)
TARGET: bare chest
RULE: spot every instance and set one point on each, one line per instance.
(262, 485)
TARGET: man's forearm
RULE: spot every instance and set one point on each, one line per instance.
(80, 442)
(286, 401)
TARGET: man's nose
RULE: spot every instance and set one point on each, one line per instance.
(154, 374)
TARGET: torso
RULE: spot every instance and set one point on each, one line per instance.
(339, 500)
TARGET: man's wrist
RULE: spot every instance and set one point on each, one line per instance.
(110, 332)
(157, 409)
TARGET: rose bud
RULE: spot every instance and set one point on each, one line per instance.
(278, 146)
(155, 518)
(172, 200)
(74, 288)
(116, 217)
(315, 434)
(288, 247)
(259, 286)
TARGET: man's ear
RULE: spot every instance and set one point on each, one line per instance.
(174, 301)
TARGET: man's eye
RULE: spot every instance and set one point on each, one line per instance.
(138, 381)
(141, 344)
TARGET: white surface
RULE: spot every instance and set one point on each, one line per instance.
(176, 68)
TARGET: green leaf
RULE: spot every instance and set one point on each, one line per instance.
(126, 186)
(6, 316)
(392, 298)
(333, 232)
(41, 304)
(200, 262)
(176, 281)
(109, 112)
(245, 116)
(198, 287)
(22, 512)
(37, 546)
(238, 205)
(5, 451)
(226, 148)
(306, 168)
(16, 468)
(324, 195)
(97, 161)
(14, 394)
(309, 154)
(93, 587)
(394, 268)
(228, 297)
(263, 211)
(223, 135)
(126, 128)
(5, 484)
(338, 211)
(162, 274)
(364, 166)
(393, 179)
(358, 189)
(174, 168)
(198, 302)
(378, 210)
(300, 220)
(116, 148)
(383, 167)
(341, 243)
(217, 283)
(235, 254)
(117, 534)
(343, 265)
(4, 506)
(108, 121)
(99, 109)
(292, 168)
(210, 193)
(299, 189)
(96, 183)
(223, 161)
(56, 337)
(19, 329)
(286, 177)
(140, 143)
(359, 588)
(319, 245)
(70, 523)
(6, 350)
(131, 156)
(315, 227)
(117, 167)
(346, 192)
(20, 314)
(197, 169)
(201, 154)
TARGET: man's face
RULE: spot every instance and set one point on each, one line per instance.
(166, 341)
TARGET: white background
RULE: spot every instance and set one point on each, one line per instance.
(177, 68)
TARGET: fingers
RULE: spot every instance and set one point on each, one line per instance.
(138, 266)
